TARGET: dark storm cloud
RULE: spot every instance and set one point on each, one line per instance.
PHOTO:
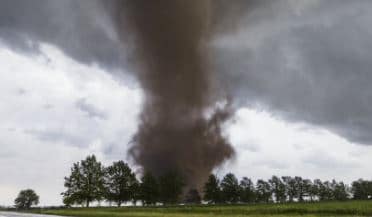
(79, 28)
(82, 29)
(311, 66)
(304, 60)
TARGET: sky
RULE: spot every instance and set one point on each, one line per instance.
(298, 70)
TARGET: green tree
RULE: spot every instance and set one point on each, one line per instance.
(328, 190)
(313, 191)
(278, 189)
(340, 191)
(361, 189)
(230, 188)
(263, 191)
(26, 199)
(85, 183)
(301, 188)
(171, 185)
(120, 183)
(321, 194)
(247, 191)
(307, 186)
(290, 185)
(212, 190)
(149, 189)
(136, 194)
(325, 190)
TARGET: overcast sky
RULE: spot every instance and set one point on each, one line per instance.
(299, 71)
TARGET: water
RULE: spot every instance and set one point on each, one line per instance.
(14, 214)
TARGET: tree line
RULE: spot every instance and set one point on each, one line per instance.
(90, 181)
(282, 189)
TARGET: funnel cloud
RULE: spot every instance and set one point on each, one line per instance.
(181, 125)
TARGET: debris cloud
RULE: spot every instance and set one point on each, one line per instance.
(181, 122)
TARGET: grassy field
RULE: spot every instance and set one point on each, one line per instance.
(352, 208)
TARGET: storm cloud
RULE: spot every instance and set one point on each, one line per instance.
(73, 26)
(306, 64)
(305, 61)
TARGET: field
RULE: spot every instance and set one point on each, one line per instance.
(352, 208)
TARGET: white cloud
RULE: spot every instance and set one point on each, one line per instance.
(44, 130)
(284, 148)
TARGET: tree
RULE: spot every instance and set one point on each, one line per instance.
(318, 184)
(86, 182)
(263, 191)
(149, 189)
(171, 185)
(278, 189)
(193, 197)
(340, 191)
(120, 183)
(301, 188)
(328, 190)
(313, 191)
(247, 191)
(26, 199)
(212, 190)
(362, 189)
(136, 195)
(230, 188)
(291, 187)
(325, 190)
(307, 187)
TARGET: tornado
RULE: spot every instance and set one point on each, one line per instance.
(183, 114)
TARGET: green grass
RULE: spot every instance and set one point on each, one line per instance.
(351, 208)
